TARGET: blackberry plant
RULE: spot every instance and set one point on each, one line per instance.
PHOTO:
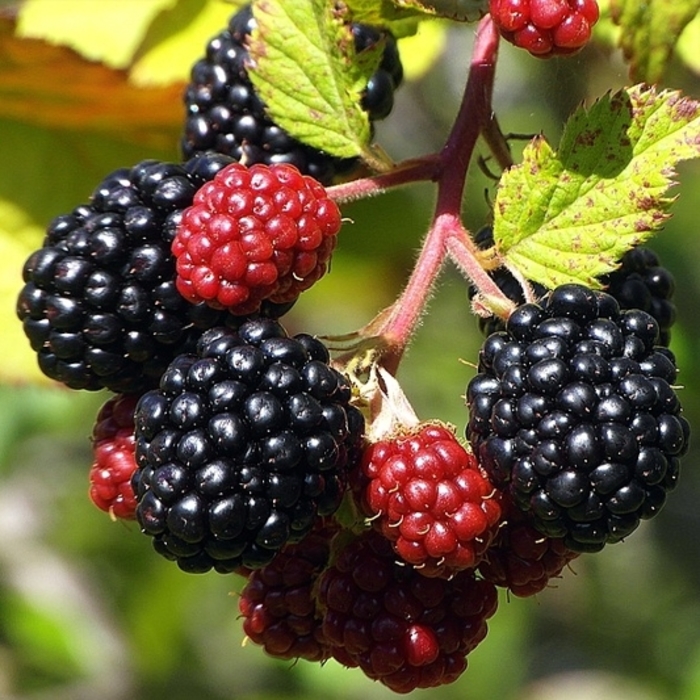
(364, 533)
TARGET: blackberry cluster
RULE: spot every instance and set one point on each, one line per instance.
(224, 113)
(639, 282)
(573, 413)
(99, 305)
(243, 446)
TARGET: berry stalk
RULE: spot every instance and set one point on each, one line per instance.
(447, 237)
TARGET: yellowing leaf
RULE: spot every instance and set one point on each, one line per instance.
(687, 47)
(421, 51)
(108, 31)
(35, 89)
(461, 10)
(650, 31)
(177, 38)
(568, 216)
(18, 238)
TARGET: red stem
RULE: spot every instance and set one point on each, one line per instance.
(447, 236)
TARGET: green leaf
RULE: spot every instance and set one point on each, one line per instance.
(568, 216)
(650, 30)
(305, 71)
(89, 28)
(384, 13)
(461, 10)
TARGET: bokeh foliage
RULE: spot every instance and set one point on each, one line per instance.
(87, 609)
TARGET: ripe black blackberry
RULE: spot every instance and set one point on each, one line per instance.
(640, 282)
(574, 413)
(99, 304)
(244, 445)
(224, 113)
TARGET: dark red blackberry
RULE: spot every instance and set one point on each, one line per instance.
(278, 602)
(522, 559)
(225, 115)
(401, 628)
(573, 411)
(244, 445)
(99, 305)
(640, 282)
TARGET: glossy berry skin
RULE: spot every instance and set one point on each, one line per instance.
(424, 491)
(99, 303)
(402, 629)
(545, 27)
(224, 113)
(245, 444)
(114, 461)
(573, 412)
(278, 603)
(521, 558)
(642, 282)
(254, 234)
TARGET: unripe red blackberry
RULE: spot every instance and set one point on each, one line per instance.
(254, 234)
(278, 602)
(425, 493)
(545, 27)
(225, 115)
(405, 630)
(573, 411)
(243, 446)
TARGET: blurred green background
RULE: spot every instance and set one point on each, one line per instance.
(87, 609)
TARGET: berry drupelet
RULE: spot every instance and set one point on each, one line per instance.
(100, 305)
(573, 412)
(225, 115)
(245, 444)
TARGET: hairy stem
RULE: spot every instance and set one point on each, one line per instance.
(447, 236)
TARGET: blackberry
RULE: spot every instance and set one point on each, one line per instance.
(244, 445)
(224, 113)
(574, 414)
(99, 305)
(639, 282)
